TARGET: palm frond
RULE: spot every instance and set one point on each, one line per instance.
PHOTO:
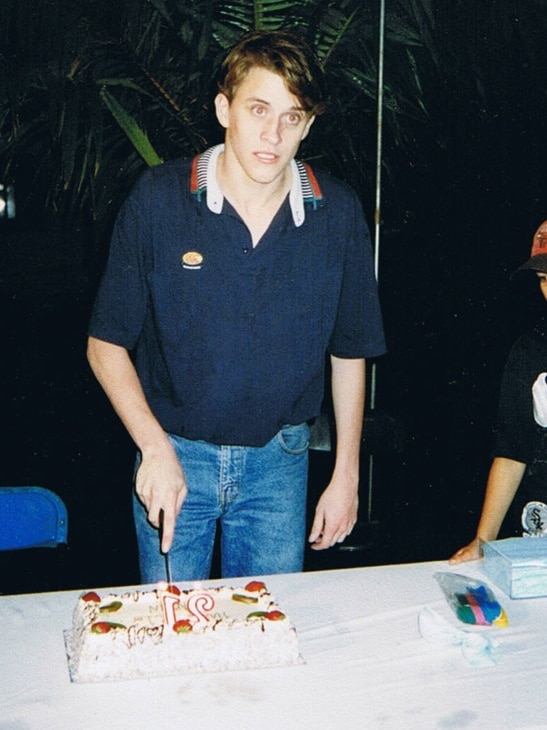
(236, 17)
(93, 91)
(136, 135)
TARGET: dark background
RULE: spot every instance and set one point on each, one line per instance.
(459, 219)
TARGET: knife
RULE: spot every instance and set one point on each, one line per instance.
(165, 555)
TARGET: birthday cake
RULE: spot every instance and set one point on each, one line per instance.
(169, 631)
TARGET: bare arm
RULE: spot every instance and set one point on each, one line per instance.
(160, 481)
(336, 511)
(503, 481)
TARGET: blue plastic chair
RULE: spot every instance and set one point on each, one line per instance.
(31, 517)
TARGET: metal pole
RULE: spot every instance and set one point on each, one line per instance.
(377, 218)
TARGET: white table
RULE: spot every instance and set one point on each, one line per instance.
(367, 666)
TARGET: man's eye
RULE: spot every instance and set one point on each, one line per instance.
(293, 119)
(259, 111)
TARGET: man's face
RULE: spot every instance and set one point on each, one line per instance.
(264, 126)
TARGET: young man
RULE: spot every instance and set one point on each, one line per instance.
(229, 279)
(520, 453)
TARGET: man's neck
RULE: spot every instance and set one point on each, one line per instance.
(256, 203)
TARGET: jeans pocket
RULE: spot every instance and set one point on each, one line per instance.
(294, 439)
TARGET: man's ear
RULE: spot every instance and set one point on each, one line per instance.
(307, 128)
(222, 108)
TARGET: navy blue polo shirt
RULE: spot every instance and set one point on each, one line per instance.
(229, 341)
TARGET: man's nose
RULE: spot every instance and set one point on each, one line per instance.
(272, 131)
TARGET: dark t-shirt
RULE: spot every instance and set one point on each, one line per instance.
(519, 436)
(229, 341)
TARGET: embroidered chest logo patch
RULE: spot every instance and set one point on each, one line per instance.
(192, 260)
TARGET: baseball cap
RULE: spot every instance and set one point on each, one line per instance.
(538, 256)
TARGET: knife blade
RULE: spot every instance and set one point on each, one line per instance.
(165, 555)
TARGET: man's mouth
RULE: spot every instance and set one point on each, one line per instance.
(267, 157)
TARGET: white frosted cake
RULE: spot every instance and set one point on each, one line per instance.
(169, 631)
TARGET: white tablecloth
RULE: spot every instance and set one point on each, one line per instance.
(366, 666)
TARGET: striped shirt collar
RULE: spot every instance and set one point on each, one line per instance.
(305, 190)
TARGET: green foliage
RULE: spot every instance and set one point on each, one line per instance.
(137, 136)
(95, 90)
(92, 91)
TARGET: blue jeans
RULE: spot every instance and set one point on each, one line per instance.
(256, 495)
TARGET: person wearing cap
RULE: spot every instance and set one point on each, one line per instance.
(517, 480)
(232, 279)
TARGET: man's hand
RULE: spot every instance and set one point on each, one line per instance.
(335, 516)
(336, 511)
(473, 551)
(161, 487)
